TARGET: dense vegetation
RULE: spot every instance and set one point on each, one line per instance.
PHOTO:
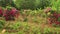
(29, 16)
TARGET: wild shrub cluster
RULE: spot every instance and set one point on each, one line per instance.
(53, 16)
(9, 13)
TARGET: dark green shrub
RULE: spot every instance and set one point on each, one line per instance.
(25, 4)
(4, 3)
(43, 3)
(32, 4)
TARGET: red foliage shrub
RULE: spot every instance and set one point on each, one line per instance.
(1, 12)
(57, 22)
(10, 14)
(53, 17)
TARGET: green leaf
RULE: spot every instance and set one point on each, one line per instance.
(59, 19)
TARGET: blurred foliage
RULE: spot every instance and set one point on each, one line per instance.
(32, 4)
(2, 23)
(25, 4)
(24, 27)
(5, 3)
(56, 5)
(14, 26)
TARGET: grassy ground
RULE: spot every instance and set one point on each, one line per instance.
(36, 24)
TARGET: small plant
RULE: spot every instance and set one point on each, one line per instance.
(48, 30)
(36, 30)
(15, 26)
(25, 19)
(2, 23)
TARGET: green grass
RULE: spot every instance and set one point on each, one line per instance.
(31, 24)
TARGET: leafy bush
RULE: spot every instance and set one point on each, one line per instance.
(43, 3)
(10, 13)
(4, 3)
(25, 4)
(32, 4)
(56, 5)
(53, 17)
